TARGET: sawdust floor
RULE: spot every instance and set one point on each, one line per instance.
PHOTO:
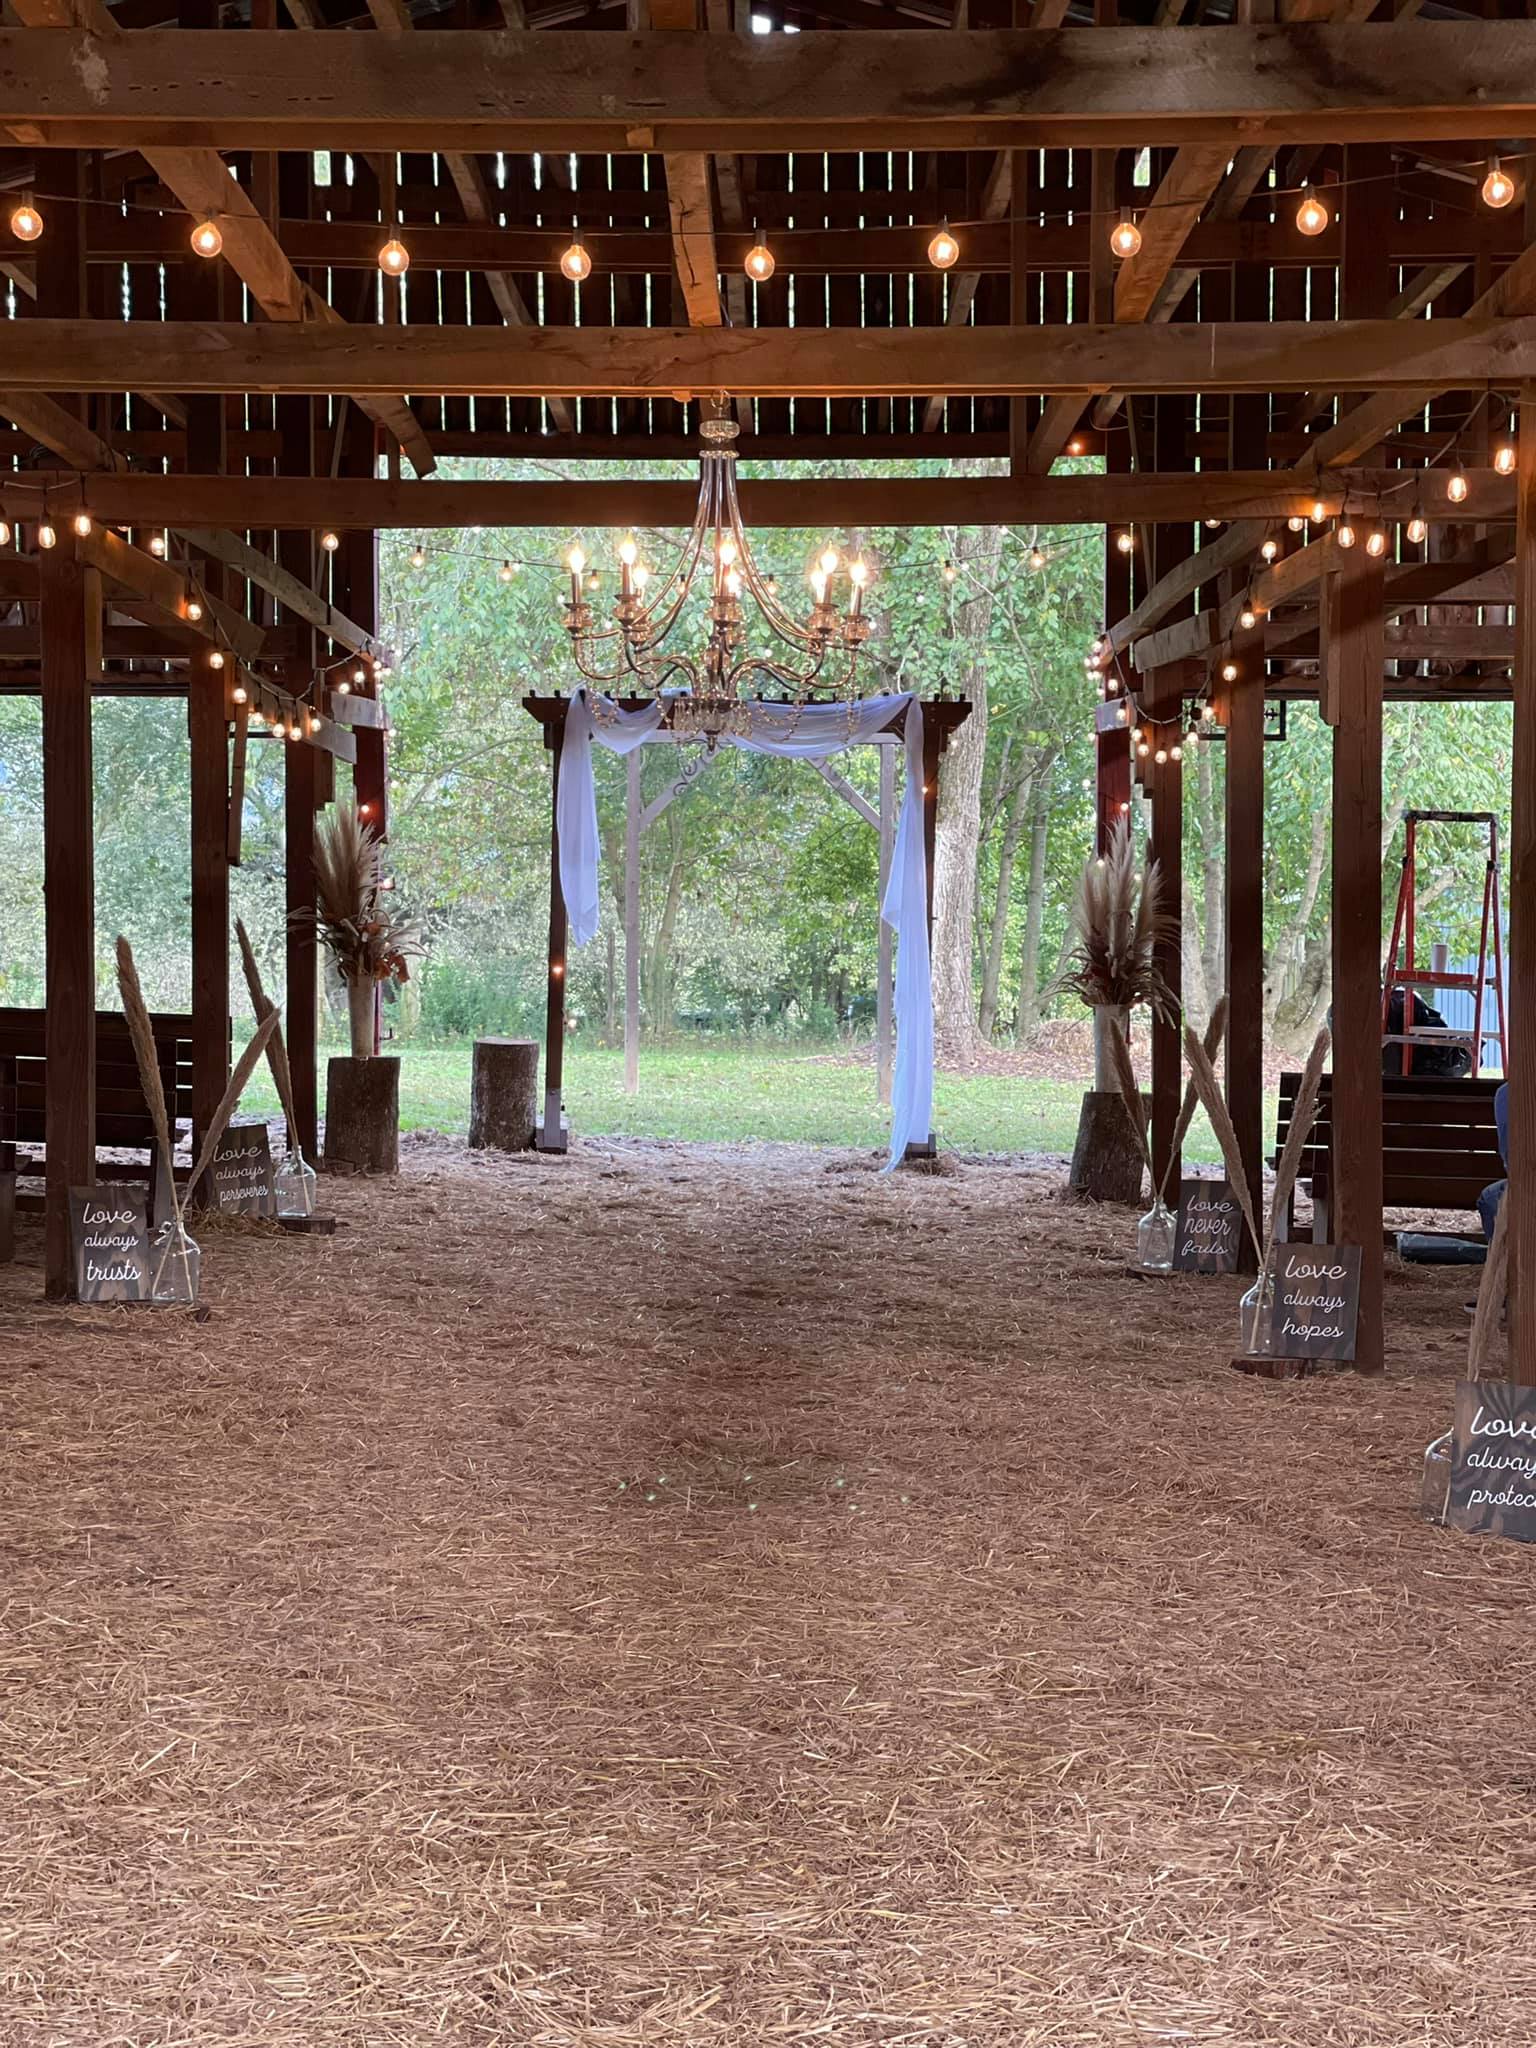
(682, 1598)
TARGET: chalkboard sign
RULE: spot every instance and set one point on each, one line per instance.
(1493, 1461)
(1317, 1301)
(1210, 1230)
(240, 1176)
(109, 1226)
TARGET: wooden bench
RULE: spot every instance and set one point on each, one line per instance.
(122, 1116)
(1439, 1141)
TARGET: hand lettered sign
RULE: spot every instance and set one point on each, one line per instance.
(109, 1225)
(1493, 1461)
(240, 1177)
(1317, 1301)
(1209, 1234)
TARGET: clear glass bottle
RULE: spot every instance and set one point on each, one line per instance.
(294, 1184)
(175, 1264)
(1154, 1238)
(1254, 1318)
(1435, 1486)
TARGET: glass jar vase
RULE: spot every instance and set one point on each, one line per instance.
(175, 1264)
(1154, 1238)
(294, 1184)
(1255, 1314)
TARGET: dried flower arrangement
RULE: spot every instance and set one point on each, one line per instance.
(1119, 923)
(368, 936)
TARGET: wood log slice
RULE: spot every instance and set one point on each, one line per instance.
(362, 1115)
(504, 1094)
(1106, 1162)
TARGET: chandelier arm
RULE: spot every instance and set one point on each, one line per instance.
(781, 622)
(680, 582)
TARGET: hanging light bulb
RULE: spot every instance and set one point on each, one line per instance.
(1344, 534)
(1376, 543)
(157, 544)
(194, 609)
(418, 556)
(359, 676)
(1312, 217)
(1295, 523)
(759, 264)
(1212, 525)
(394, 257)
(5, 533)
(594, 581)
(47, 535)
(1505, 457)
(727, 553)
(1319, 511)
(506, 572)
(948, 572)
(1247, 618)
(1270, 549)
(576, 264)
(1037, 558)
(1417, 529)
(1456, 487)
(1125, 236)
(330, 541)
(1125, 540)
(1498, 185)
(1229, 671)
(26, 222)
(239, 693)
(207, 239)
(216, 659)
(83, 523)
(943, 250)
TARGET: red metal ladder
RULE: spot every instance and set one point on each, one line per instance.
(1409, 975)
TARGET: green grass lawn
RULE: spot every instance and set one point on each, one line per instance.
(728, 1092)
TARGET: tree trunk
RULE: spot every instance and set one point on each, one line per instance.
(976, 556)
(1002, 901)
(1289, 946)
(659, 1004)
(1213, 937)
(362, 1115)
(1028, 1021)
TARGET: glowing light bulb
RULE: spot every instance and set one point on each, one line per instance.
(1229, 671)
(157, 544)
(194, 609)
(1345, 535)
(948, 572)
(1160, 756)
(1376, 543)
(1319, 510)
(1417, 529)
(1270, 549)
(643, 576)
(5, 533)
(629, 551)
(576, 560)
(418, 556)
(343, 688)
(359, 676)
(239, 693)
(733, 582)
(1505, 458)
(47, 535)
(207, 239)
(1212, 525)
(506, 572)
(576, 264)
(1125, 236)
(944, 250)
(594, 581)
(1247, 618)
(1312, 217)
(1498, 186)
(1143, 749)
(394, 258)
(1295, 523)
(26, 222)
(858, 574)
(759, 264)
(1125, 541)
(727, 552)
(1456, 488)
(216, 659)
(1075, 445)
(330, 541)
(1037, 558)
(819, 586)
(827, 561)
(83, 524)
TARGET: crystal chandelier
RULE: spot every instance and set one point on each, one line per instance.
(715, 685)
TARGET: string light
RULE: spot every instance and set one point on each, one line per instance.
(207, 239)
(1498, 185)
(418, 556)
(759, 264)
(1345, 534)
(394, 258)
(1248, 618)
(1319, 511)
(1456, 486)
(1214, 525)
(948, 572)
(506, 572)
(943, 250)
(1376, 543)
(1125, 236)
(1505, 458)
(1295, 523)
(26, 222)
(1312, 217)
(330, 541)
(1417, 529)
(576, 264)
(1229, 671)
(5, 533)
(194, 609)
(359, 676)
(1270, 549)
(239, 693)
(1037, 558)
(83, 524)
(47, 535)
(157, 544)
(1125, 540)
(216, 659)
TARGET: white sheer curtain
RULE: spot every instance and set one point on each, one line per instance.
(806, 732)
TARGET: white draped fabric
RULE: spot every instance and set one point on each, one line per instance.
(806, 732)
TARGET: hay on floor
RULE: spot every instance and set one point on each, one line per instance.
(671, 1598)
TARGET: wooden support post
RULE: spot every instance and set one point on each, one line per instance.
(301, 1019)
(69, 895)
(1520, 1001)
(552, 1133)
(1164, 704)
(1244, 913)
(1352, 655)
(884, 945)
(632, 923)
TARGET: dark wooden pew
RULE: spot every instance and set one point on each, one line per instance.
(1440, 1145)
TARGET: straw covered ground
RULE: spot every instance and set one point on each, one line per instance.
(681, 1598)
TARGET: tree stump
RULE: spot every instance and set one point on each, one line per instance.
(1106, 1163)
(504, 1094)
(362, 1115)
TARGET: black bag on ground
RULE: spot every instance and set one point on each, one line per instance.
(1443, 1062)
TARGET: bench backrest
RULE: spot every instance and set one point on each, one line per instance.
(1439, 1140)
(122, 1115)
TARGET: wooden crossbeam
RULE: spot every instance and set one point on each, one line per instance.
(194, 504)
(979, 89)
(193, 356)
(54, 427)
(290, 592)
(169, 587)
(996, 198)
